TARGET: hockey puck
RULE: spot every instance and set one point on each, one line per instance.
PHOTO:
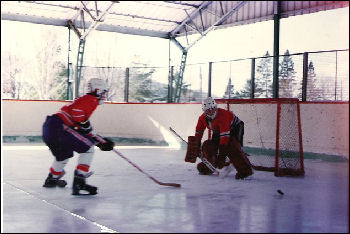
(280, 192)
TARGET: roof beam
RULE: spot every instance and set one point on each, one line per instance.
(188, 19)
(218, 22)
(183, 4)
(133, 31)
(96, 22)
(101, 27)
(147, 18)
(76, 15)
(33, 19)
(88, 11)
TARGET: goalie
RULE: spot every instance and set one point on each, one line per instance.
(227, 140)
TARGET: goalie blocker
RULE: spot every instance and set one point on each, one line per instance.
(193, 149)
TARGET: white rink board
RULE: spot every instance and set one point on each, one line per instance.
(325, 126)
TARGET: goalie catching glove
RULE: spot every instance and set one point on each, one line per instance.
(104, 143)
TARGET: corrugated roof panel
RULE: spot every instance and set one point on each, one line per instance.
(33, 9)
(158, 18)
(149, 10)
(251, 11)
(292, 8)
(130, 22)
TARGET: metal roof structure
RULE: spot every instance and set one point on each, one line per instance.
(164, 19)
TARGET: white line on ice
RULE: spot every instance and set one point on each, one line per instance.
(103, 228)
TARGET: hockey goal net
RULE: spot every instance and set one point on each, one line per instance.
(272, 133)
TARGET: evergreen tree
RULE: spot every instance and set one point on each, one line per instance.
(263, 83)
(229, 93)
(245, 92)
(286, 76)
(141, 86)
(313, 91)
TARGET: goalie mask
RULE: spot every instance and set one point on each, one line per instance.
(210, 108)
(98, 88)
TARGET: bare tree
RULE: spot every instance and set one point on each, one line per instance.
(47, 67)
(12, 82)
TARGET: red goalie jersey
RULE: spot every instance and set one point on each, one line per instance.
(220, 125)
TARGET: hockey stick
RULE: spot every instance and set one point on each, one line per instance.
(204, 160)
(149, 176)
(101, 140)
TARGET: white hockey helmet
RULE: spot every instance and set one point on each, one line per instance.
(99, 88)
(209, 107)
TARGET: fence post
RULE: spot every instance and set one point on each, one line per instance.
(126, 87)
(305, 71)
(209, 79)
(170, 84)
(336, 75)
(252, 79)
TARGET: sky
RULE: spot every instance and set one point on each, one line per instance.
(326, 30)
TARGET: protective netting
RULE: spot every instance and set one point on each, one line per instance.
(272, 133)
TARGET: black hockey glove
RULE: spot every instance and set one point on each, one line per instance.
(107, 145)
(84, 127)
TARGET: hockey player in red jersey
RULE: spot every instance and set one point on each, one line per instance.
(227, 140)
(68, 131)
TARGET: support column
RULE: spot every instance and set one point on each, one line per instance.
(305, 71)
(126, 86)
(70, 79)
(80, 59)
(252, 79)
(276, 46)
(209, 79)
(170, 85)
(179, 80)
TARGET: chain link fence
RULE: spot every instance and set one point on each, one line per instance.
(309, 76)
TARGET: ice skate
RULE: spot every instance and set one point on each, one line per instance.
(51, 182)
(243, 175)
(79, 184)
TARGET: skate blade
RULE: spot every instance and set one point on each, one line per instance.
(84, 194)
(61, 184)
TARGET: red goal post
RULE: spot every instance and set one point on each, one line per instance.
(272, 133)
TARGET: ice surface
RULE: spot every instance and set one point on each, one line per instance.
(128, 201)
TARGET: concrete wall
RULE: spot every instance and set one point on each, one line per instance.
(325, 126)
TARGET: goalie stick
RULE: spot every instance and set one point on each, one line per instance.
(138, 168)
(204, 160)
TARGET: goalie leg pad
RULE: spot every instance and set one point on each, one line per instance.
(203, 169)
(239, 159)
(193, 148)
(209, 151)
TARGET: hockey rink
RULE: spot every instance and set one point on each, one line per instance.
(129, 201)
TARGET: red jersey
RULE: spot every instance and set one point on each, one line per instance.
(220, 125)
(78, 111)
